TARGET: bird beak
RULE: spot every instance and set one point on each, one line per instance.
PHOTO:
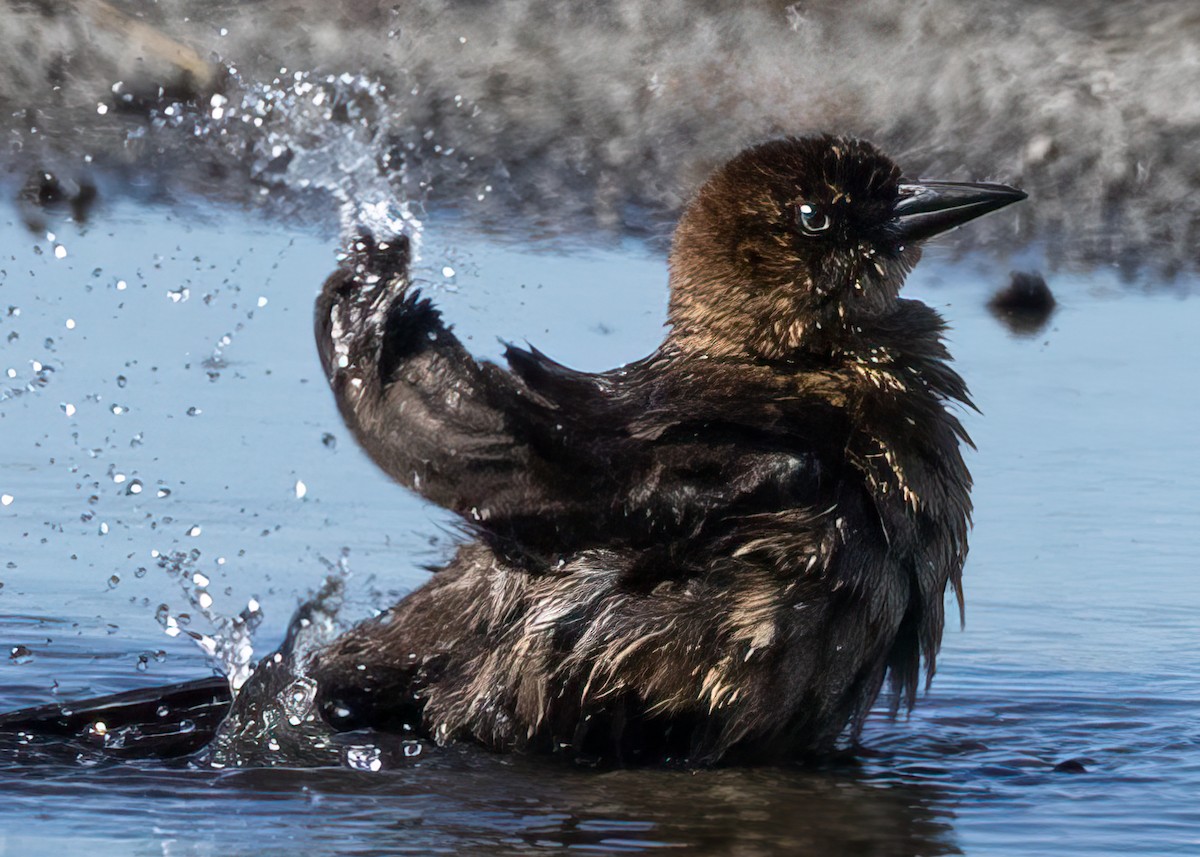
(930, 208)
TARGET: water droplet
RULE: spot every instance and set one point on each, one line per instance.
(163, 493)
(298, 700)
(60, 252)
(329, 441)
(200, 580)
(301, 490)
(194, 412)
(103, 529)
(122, 285)
(365, 758)
(67, 408)
(118, 409)
(204, 600)
(135, 487)
(447, 272)
(121, 380)
(262, 302)
(114, 581)
(6, 499)
(194, 531)
(20, 655)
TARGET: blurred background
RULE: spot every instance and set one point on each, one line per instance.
(603, 116)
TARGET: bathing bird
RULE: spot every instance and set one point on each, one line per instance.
(718, 553)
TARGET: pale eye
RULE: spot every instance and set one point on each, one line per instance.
(811, 219)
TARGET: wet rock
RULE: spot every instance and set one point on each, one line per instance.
(155, 722)
(1025, 305)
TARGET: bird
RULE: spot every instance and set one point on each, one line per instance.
(719, 553)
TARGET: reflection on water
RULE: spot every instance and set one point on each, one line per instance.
(454, 806)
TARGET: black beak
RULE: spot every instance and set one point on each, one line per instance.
(930, 208)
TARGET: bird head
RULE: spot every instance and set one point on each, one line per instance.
(795, 242)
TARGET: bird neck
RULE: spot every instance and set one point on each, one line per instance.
(905, 440)
(891, 378)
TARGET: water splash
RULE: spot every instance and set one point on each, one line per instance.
(302, 132)
(230, 644)
(274, 720)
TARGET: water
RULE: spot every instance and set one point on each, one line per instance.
(168, 346)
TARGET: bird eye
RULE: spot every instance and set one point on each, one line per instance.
(812, 219)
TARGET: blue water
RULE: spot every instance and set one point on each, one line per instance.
(1082, 600)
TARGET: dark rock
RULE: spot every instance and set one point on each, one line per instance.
(1025, 305)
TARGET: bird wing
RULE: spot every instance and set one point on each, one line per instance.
(467, 435)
